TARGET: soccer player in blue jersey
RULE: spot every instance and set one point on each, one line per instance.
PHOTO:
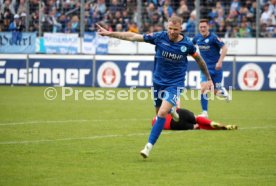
(213, 50)
(170, 66)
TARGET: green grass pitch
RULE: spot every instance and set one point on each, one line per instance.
(85, 142)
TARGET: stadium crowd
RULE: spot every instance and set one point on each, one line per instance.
(233, 18)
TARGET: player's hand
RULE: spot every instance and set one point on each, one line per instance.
(102, 31)
(218, 65)
(207, 86)
(210, 85)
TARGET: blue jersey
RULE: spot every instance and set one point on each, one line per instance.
(209, 48)
(170, 61)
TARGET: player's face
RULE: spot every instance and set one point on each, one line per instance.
(203, 29)
(174, 30)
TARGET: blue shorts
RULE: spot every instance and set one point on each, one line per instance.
(168, 93)
(216, 76)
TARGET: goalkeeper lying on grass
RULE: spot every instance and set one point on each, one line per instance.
(189, 121)
(186, 120)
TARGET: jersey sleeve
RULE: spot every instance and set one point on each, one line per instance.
(194, 40)
(191, 48)
(152, 37)
(218, 41)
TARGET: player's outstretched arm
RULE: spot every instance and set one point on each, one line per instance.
(203, 67)
(129, 36)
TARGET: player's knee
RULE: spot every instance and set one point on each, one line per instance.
(203, 89)
(162, 113)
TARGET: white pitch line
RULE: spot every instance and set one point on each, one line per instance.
(40, 122)
(110, 136)
(264, 127)
(70, 121)
(80, 138)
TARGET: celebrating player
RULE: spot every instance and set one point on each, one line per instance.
(170, 66)
(210, 45)
(189, 121)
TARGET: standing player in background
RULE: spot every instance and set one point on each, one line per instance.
(210, 45)
(170, 66)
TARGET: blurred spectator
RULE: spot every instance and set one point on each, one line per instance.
(151, 10)
(263, 31)
(52, 21)
(132, 27)
(17, 24)
(7, 16)
(228, 31)
(63, 21)
(213, 14)
(23, 17)
(8, 6)
(191, 25)
(234, 12)
(270, 28)
(126, 17)
(274, 33)
(220, 17)
(70, 5)
(224, 15)
(119, 27)
(22, 7)
(158, 28)
(16, 27)
(266, 15)
(114, 7)
(117, 19)
(213, 26)
(167, 9)
(235, 32)
(154, 2)
(235, 6)
(75, 25)
(244, 31)
(221, 29)
(34, 26)
(183, 10)
(272, 7)
(253, 10)
(130, 6)
(101, 7)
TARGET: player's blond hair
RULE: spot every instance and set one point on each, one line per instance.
(175, 19)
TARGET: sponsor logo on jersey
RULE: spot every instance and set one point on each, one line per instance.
(109, 75)
(251, 77)
(206, 40)
(183, 49)
(172, 56)
(203, 47)
(167, 44)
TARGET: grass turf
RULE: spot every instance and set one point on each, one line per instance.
(69, 142)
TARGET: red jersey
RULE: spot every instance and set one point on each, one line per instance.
(167, 125)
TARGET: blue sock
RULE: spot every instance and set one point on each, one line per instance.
(156, 130)
(204, 102)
